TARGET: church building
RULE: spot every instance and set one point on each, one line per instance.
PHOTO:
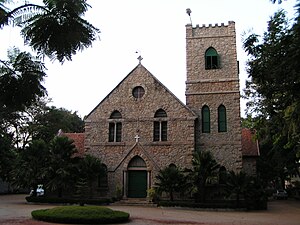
(141, 127)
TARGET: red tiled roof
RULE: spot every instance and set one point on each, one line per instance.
(78, 139)
(249, 143)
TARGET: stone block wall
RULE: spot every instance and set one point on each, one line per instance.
(138, 119)
(215, 87)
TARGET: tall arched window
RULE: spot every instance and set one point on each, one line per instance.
(102, 178)
(211, 59)
(222, 120)
(222, 175)
(160, 126)
(115, 127)
(205, 119)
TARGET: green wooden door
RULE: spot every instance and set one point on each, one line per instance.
(137, 184)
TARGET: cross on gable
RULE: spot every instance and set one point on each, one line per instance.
(137, 137)
(140, 58)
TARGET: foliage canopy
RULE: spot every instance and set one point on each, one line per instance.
(56, 29)
(273, 95)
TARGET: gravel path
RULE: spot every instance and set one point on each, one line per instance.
(15, 210)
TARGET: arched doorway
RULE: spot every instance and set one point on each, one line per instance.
(137, 178)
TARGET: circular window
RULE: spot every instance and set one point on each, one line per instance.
(138, 92)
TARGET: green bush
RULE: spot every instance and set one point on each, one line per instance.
(218, 204)
(80, 215)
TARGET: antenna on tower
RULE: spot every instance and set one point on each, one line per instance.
(189, 11)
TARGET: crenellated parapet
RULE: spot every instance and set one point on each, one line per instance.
(216, 30)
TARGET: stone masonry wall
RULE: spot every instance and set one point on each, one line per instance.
(138, 118)
(213, 88)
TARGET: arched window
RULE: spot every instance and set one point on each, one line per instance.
(102, 178)
(160, 113)
(222, 120)
(115, 127)
(160, 126)
(115, 115)
(137, 162)
(222, 175)
(211, 59)
(172, 165)
(205, 119)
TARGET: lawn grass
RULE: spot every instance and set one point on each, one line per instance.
(80, 215)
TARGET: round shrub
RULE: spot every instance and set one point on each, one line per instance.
(80, 215)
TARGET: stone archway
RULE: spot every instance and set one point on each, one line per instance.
(137, 178)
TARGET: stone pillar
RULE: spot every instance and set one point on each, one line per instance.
(148, 179)
(124, 184)
(148, 183)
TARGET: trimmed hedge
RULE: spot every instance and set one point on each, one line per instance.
(222, 204)
(104, 201)
(80, 215)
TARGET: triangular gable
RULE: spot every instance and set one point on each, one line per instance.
(143, 150)
(163, 86)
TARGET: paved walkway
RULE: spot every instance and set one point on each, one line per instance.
(15, 210)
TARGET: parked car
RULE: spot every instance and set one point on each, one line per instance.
(280, 194)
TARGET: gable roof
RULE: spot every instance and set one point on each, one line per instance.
(250, 145)
(78, 139)
(131, 72)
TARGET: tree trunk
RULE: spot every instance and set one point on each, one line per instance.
(171, 196)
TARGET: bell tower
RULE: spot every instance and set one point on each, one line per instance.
(212, 91)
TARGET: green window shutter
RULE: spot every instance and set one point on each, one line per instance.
(164, 130)
(205, 119)
(111, 132)
(160, 127)
(119, 132)
(156, 131)
(222, 120)
(115, 128)
(211, 59)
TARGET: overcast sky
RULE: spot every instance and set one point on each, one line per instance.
(156, 29)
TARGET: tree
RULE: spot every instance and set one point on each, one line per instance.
(250, 189)
(204, 166)
(61, 169)
(273, 94)
(20, 79)
(7, 156)
(81, 190)
(39, 121)
(55, 29)
(278, 1)
(237, 184)
(90, 168)
(170, 180)
(29, 169)
(50, 120)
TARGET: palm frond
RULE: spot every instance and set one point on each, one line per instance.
(24, 13)
(20, 14)
(78, 7)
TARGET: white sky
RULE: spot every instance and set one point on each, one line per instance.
(157, 29)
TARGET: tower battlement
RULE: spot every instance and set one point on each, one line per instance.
(211, 30)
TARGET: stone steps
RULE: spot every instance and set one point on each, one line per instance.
(135, 202)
